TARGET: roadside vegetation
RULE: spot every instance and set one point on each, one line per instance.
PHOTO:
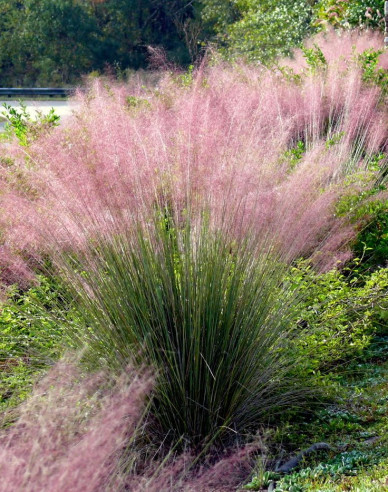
(195, 287)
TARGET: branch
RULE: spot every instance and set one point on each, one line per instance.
(293, 462)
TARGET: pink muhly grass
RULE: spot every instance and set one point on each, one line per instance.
(341, 47)
(216, 152)
(71, 432)
(228, 472)
(218, 146)
(78, 432)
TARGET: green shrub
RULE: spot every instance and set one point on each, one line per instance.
(338, 315)
(354, 13)
(133, 102)
(315, 58)
(24, 127)
(372, 72)
(258, 30)
(370, 210)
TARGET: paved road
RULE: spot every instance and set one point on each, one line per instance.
(62, 108)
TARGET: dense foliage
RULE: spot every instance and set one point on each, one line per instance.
(54, 43)
(350, 13)
(258, 30)
(30, 339)
(45, 42)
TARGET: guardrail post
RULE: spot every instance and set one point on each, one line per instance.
(386, 24)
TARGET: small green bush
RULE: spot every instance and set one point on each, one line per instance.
(23, 126)
(338, 315)
(372, 241)
(354, 13)
(372, 72)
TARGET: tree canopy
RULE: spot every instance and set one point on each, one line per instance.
(55, 42)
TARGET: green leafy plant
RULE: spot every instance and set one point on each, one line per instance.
(294, 155)
(24, 127)
(372, 72)
(370, 209)
(315, 58)
(186, 79)
(372, 241)
(347, 14)
(31, 336)
(337, 316)
(134, 102)
(263, 480)
(347, 463)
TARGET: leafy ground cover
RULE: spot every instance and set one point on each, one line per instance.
(30, 337)
(355, 427)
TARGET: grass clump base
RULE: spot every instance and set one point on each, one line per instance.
(209, 314)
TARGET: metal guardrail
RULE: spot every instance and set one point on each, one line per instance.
(34, 92)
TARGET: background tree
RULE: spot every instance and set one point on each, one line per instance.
(354, 13)
(12, 47)
(258, 29)
(45, 42)
(129, 26)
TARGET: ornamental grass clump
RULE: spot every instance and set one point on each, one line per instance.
(174, 223)
(209, 314)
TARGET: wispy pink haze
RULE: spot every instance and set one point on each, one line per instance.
(71, 432)
(74, 434)
(221, 145)
(227, 473)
